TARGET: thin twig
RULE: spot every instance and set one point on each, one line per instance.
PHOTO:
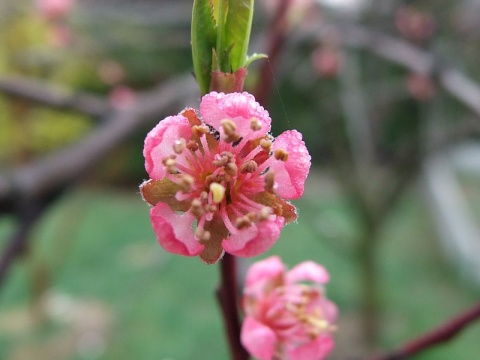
(437, 336)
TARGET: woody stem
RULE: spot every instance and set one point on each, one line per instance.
(228, 301)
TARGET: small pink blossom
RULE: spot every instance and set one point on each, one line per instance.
(219, 172)
(287, 313)
(55, 9)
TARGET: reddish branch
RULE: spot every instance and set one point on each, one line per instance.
(275, 39)
(227, 296)
(437, 336)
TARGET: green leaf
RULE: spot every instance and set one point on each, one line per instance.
(254, 57)
(204, 35)
(237, 32)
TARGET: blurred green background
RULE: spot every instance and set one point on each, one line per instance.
(94, 284)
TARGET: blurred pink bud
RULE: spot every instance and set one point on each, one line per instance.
(414, 24)
(111, 72)
(219, 172)
(55, 9)
(420, 86)
(288, 316)
(327, 61)
(121, 97)
(59, 35)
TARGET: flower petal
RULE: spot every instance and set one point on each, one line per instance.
(174, 231)
(308, 271)
(239, 107)
(264, 270)
(256, 239)
(159, 143)
(258, 339)
(314, 350)
(290, 175)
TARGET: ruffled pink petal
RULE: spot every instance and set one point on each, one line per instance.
(314, 350)
(159, 143)
(290, 175)
(329, 310)
(174, 231)
(264, 270)
(239, 107)
(256, 239)
(308, 271)
(258, 339)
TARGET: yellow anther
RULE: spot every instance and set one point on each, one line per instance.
(255, 124)
(179, 145)
(218, 192)
(281, 155)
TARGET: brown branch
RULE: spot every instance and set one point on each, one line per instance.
(437, 336)
(29, 213)
(64, 167)
(53, 96)
(275, 39)
(415, 59)
(228, 301)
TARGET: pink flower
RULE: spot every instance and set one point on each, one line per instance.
(55, 9)
(220, 172)
(287, 313)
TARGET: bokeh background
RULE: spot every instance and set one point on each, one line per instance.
(386, 94)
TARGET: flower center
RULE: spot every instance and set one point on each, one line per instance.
(221, 172)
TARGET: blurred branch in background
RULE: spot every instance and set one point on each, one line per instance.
(46, 178)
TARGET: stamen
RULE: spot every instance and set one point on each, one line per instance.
(186, 183)
(231, 169)
(202, 235)
(266, 145)
(222, 159)
(200, 130)
(249, 167)
(230, 130)
(270, 182)
(264, 213)
(281, 155)
(196, 208)
(192, 146)
(243, 222)
(179, 145)
(218, 192)
(170, 164)
(255, 124)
